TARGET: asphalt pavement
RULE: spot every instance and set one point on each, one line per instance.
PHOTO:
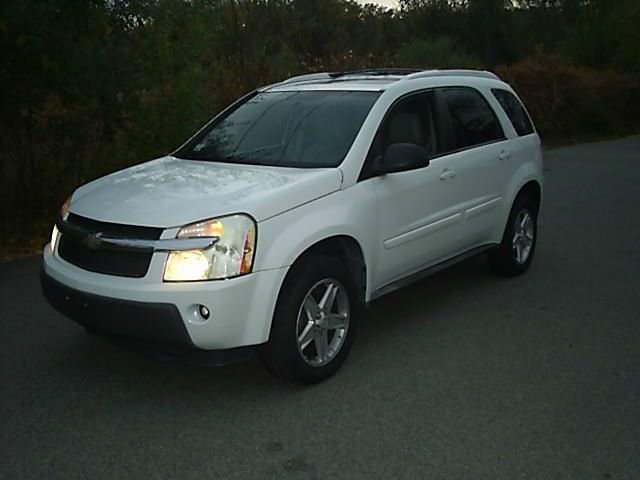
(464, 375)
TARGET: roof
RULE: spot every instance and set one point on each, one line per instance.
(367, 80)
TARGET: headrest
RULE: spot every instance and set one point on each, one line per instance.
(406, 127)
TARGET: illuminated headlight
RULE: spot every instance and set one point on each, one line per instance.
(55, 234)
(231, 256)
(63, 213)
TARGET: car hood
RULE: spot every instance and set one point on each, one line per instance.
(169, 192)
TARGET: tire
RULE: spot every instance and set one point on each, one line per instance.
(515, 252)
(307, 343)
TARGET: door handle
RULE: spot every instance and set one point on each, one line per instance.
(504, 155)
(447, 173)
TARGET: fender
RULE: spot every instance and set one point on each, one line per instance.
(526, 173)
(350, 212)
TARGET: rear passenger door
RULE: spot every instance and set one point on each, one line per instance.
(524, 144)
(477, 146)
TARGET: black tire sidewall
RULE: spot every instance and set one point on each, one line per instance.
(503, 258)
(281, 354)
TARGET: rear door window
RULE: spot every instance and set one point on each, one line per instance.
(473, 122)
(515, 111)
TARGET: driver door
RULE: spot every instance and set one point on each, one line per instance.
(419, 210)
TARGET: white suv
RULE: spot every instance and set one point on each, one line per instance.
(296, 206)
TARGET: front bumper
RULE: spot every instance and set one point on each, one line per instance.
(165, 313)
(159, 323)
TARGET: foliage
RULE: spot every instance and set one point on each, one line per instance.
(441, 52)
(565, 99)
(606, 35)
(92, 86)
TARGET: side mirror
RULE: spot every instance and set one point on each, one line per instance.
(401, 157)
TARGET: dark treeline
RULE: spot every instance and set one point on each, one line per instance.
(90, 86)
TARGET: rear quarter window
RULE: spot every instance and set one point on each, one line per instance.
(472, 119)
(515, 111)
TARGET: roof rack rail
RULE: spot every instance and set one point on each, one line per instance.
(376, 71)
(405, 73)
(311, 77)
(452, 73)
(308, 77)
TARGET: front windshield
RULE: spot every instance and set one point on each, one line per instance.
(293, 129)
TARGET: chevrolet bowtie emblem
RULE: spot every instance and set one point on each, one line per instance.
(94, 240)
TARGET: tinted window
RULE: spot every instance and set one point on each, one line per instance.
(296, 129)
(515, 111)
(472, 120)
(411, 120)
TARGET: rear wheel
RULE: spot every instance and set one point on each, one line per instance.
(314, 323)
(515, 253)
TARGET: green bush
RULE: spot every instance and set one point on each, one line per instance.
(566, 100)
(441, 52)
(92, 87)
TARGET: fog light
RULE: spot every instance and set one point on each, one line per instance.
(204, 312)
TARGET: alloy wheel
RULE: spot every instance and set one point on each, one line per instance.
(323, 322)
(523, 236)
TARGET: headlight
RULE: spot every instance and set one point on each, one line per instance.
(230, 256)
(55, 233)
(63, 213)
(64, 209)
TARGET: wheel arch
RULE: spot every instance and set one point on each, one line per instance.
(526, 180)
(533, 190)
(346, 248)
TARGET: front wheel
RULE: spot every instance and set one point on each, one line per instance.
(515, 253)
(314, 323)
